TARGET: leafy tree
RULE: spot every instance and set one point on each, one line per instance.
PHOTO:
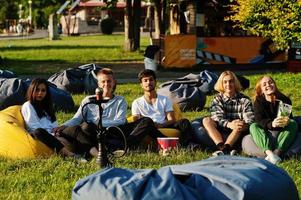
(41, 9)
(8, 10)
(275, 19)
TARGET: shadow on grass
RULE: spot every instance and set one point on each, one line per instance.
(58, 47)
(241, 69)
(49, 67)
(23, 67)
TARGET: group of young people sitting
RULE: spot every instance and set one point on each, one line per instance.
(232, 117)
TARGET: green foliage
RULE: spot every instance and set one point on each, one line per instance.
(41, 9)
(107, 26)
(275, 19)
(5, 7)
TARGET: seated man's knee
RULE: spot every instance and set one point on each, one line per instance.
(207, 121)
(88, 128)
(147, 120)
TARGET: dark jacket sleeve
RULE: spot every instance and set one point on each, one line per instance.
(262, 117)
(266, 112)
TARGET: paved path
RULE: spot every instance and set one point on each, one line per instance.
(39, 33)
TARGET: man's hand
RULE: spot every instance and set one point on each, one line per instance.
(238, 125)
(58, 130)
(158, 125)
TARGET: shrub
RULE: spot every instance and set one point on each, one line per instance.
(107, 26)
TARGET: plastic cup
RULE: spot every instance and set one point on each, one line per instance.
(165, 145)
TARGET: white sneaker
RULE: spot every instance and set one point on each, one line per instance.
(218, 153)
(233, 152)
(79, 158)
(273, 158)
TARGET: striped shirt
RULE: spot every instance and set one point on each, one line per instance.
(226, 109)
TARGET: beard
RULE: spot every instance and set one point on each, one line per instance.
(150, 89)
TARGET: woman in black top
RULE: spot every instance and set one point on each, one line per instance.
(267, 120)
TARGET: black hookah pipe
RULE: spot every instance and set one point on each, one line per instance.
(102, 157)
(103, 154)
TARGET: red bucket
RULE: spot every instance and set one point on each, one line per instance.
(165, 145)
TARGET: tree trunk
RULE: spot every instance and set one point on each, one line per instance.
(164, 17)
(137, 23)
(192, 19)
(157, 18)
(128, 27)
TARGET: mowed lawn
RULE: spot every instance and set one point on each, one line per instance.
(38, 56)
(55, 177)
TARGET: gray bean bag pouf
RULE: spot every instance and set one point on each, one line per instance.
(7, 74)
(250, 148)
(185, 92)
(12, 92)
(77, 80)
(70, 80)
(219, 178)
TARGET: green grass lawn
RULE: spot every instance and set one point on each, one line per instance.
(48, 57)
(55, 177)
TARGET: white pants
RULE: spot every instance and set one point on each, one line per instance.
(150, 64)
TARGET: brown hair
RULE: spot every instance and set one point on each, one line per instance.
(46, 104)
(258, 92)
(219, 84)
(146, 73)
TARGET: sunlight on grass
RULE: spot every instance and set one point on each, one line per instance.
(34, 56)
(55, 177)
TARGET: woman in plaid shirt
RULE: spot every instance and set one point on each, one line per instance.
(231, 115)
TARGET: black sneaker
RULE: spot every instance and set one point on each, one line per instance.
(193, 146)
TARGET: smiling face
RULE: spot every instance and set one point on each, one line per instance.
(229, 85)
(107, 83)
(267, 86)
(40, 92)
(148, 84)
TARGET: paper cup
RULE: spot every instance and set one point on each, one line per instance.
(165, 145)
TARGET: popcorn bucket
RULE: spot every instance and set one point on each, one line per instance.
(165, 145)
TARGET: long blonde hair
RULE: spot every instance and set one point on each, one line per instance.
(219, 84)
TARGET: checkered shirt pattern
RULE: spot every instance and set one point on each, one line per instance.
(224, 109)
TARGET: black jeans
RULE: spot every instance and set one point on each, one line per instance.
(185, 129)
(48, 139)
(83, 137)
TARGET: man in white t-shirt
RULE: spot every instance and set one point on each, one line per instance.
(159, 108)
